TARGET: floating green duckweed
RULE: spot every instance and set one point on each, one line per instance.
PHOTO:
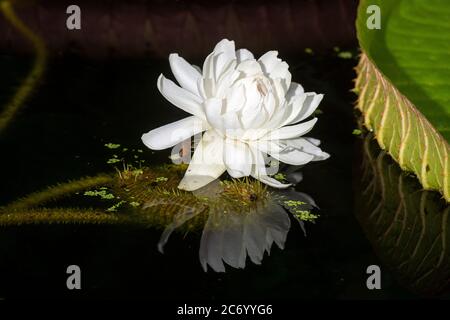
(112, 145)
(116, 206)
(102, 193)
(294, 203)
(345, 55)
(305, 215)
(113, 161)
(280, 177)
(318, 111)
(298, 209)
(161, 179)
(356, 132)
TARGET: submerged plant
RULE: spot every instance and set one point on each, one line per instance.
(247, 108)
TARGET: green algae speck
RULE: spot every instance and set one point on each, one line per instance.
(280, 177)
(112, 145)
(102, 193)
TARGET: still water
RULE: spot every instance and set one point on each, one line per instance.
(370, 212)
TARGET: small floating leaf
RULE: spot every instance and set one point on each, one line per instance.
(112, 145)
(345, 55)
(99, 193)
(116, 206)
(280, 176)
(113, 160)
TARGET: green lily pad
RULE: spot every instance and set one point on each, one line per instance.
(403, 84)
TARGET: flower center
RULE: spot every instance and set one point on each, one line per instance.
(262, 89)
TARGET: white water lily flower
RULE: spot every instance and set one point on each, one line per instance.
(247, 108)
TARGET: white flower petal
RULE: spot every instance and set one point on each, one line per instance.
(186, 75)
(281, 71)
(259, 171)
(279, 116)
(208, 67)
(267, 146)
(275, 68)
(209, 88)
(309, 105)
(272, 182)
(270, 103)
(226, 46)
(283, 152)
(226, 78)
(221, 121)
(180, 97)
(236, 99)
(269, 60)
(201, 88)
(253, 117)
(314, 141)
(173, 133)
(197, 68)
(244, 54)
(224, 53)
(323, 156)
(294, 108)
(237, 158)
(305, 145)
(206, 164)
(294, 90)
(290, 132)
(279, 91)
(249, 67)
(213, 109)
(213, 66)
(293, 156)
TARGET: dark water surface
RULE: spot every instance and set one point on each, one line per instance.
(81, 105)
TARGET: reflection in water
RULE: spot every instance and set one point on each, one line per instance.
(407, 226)
(231, 235)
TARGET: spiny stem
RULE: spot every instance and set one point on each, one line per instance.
(55, 192)
(60, 216)
(35, 74)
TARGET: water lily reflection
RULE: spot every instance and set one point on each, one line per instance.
(230, 236)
